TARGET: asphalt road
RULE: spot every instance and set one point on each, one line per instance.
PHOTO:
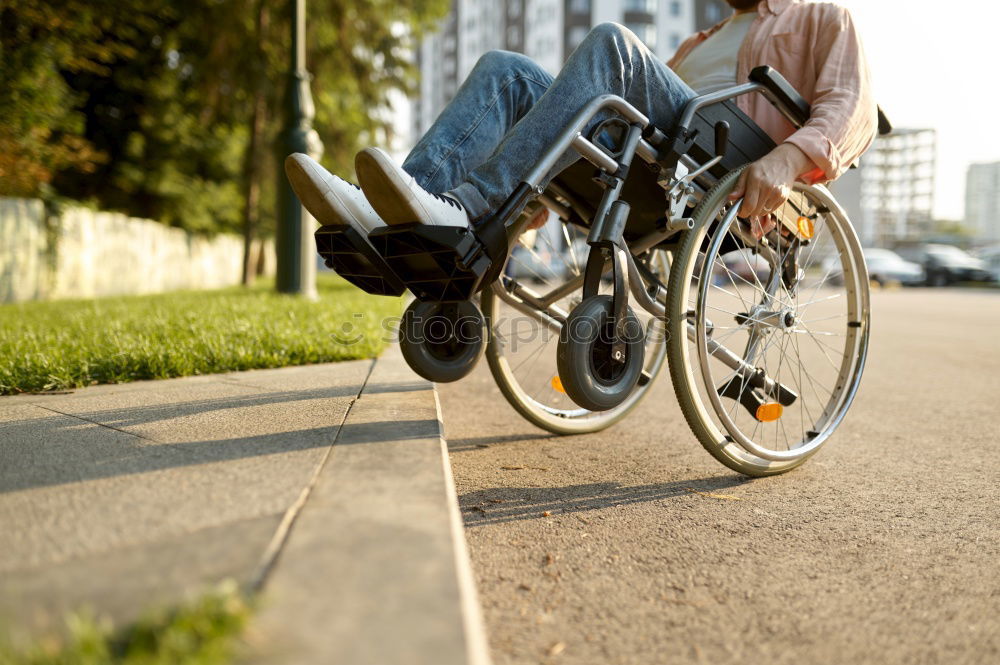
(634, 546)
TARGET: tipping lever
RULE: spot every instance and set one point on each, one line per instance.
(721, 138)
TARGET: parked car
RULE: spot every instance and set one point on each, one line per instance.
(750, 267)
(884, 267)
(991, 257)
(946, 265)
(887, 267)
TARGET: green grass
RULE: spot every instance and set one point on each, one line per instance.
(58, 345)
(205, 632)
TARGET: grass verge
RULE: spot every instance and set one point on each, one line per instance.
(205, 632)
(47, 346)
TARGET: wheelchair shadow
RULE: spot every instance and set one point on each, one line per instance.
(507, 504)
(477, 442)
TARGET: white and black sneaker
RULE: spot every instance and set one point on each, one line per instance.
(398, 199)
(331, 200)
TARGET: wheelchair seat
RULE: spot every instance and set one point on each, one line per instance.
(747, 143)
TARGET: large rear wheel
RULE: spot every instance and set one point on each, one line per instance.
(768, 336)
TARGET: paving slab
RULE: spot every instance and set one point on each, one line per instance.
(375, 569)
(328, 486)
(123, 497)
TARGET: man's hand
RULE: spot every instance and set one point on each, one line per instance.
(767, 183)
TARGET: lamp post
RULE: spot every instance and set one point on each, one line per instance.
(296, 268)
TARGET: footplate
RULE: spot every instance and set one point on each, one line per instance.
(345, 250)
(437, 263)
(750, 394)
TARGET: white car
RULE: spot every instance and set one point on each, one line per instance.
(886, 266)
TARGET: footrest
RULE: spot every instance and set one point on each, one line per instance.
(437, 263)
(345, 250)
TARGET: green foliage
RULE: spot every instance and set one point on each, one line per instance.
(71, 344)
(953, 228)
(41, 124)
(358, 51)
(168, 109)
(204, 632)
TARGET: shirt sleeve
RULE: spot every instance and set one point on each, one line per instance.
(844, 116)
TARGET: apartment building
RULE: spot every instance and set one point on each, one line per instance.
(545, 30)
(982, 202)
(890, 197)
(709, 12)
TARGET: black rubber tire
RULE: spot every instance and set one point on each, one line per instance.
(556, 421)
(442, 342)
(588, 376)
(939, 279)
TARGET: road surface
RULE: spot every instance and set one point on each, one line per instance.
(635, 546)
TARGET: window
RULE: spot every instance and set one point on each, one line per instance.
(675, 40)
(579, 6)
(675, 8)
(713, 13)
(513, 36)
(647, 6)
(576, 35)
(646, 32)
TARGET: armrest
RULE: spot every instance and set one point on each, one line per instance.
(792, 105)
(790, 102)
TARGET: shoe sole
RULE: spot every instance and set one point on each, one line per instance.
(319, 198)
(387, 193)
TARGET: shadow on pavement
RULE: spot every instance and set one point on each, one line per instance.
(69, 447)
(507, 504)
(147, 414)
(476, 442)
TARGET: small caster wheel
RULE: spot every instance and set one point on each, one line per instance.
(442, 342)
(591, 376)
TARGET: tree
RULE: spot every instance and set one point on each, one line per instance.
(41, 126)
(169, 109)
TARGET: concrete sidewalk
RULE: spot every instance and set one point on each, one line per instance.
(129, 497)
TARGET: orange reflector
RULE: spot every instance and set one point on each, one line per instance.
(806, 227)
(557, 384)
(768, 413)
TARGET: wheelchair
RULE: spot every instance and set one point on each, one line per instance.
(643, 264)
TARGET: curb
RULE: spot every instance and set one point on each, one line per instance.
(373, 566)
(477, 644)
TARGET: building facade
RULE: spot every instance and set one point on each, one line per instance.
(982, 202)
(709, 12)
(890, 197)
(545, 30)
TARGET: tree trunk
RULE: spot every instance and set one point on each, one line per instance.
(251, 166)
(251, 175)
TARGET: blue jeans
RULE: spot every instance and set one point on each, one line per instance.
(509, 111)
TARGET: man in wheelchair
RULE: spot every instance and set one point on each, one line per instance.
(510, 110)
(723, 236)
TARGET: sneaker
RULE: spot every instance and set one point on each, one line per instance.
(331, 200)
(397, 197)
